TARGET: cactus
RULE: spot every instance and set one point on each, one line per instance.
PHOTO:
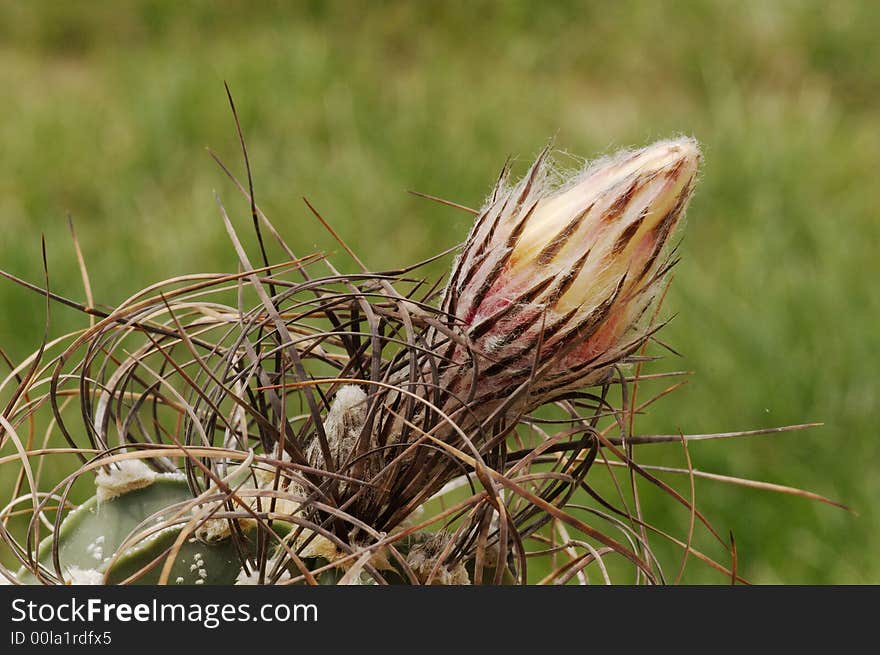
(90, 538)
(357, 429)
(95, 538)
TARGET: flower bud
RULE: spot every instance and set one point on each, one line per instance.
(570, 266)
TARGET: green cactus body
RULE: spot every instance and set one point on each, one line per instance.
(90, 537)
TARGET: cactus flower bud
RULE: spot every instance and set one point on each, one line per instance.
(569, 266)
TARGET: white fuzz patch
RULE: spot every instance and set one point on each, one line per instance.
(319, 546)
(343, 424)
(244, 578)
(253, 578)
(124, 476)
(346, 416)
(213, 530)
(78, 576)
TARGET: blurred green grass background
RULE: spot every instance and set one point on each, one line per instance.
(108, 108)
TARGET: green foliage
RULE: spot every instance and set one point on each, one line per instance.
(107, 109)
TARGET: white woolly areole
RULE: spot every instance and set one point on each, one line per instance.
(213, 530)
(124, 476)
(343, 424)
(348, 411)
(244, 578)
(78, 576)
(253, 578)
(319, 546)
